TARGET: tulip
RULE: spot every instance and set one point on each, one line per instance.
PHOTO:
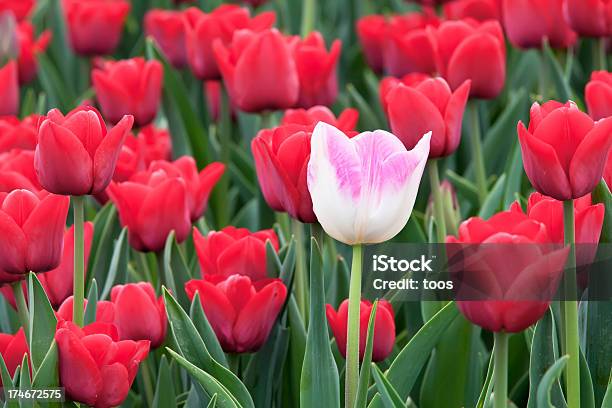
(234, 251)
(480, 10)
(281, 157)
(76, 155)
(372, 33)
(316, 70)
(17, 172)
(253, 83)
(139, 315)
(167, 28)
(529, 22)
(95, 26)
(29, 48)
(590, 18)
(9, 89)
(241, 313)
(598, 95)
(129, 87)
(16, 134)
(408, 47)
(462, 46)
(429, 105)
(151, 205)
(363, 189)
(105, 312)
(94, 367)
(203, 29)
(31, 231)
(384, 328)
(13, 348)
(564, 151)
(20, 8)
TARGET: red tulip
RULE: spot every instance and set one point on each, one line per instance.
(31, 231)
(9, 89)
(408, 48)
(372, 33)
(281, 158)
(202, 29)
(234, 251)
(151, 205)
(75, 153)
(129, 87)
(95, 26)
(199, 185)
(529, 22)
(480, 10)
(316, 70)
(384, 328)
(463, 46)
(590, 18)
(17, 172)
(20, 8)
(240, 312)
(496, 294)
(564, 151)
(94, 367)
(139, 315)
(105, 312)
(418, 108)
(253, 83)
(16, 134)
(29, 48)
(13, 348)
(167, 28)
(598, 94)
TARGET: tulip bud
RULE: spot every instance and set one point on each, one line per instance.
(598, 94)
(29, 48)
(167, 28)
(31, 231)
(95, 26)
(129, 87)
(418, 108)
(481, 10)
(529, 22)
(590, 18)
(76, 155)
(95, 368)
(384, 328)
(564, 151)
(281, 157)
(363, 189)
(241, 314)
(234, 251)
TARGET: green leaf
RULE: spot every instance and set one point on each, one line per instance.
(210, 384)
(587, 395)
(548, 380)
(176, 270)
(118, 264)
(493, 202)
(42, 321)
(390, 397)
(92, 304)
(544, 352)
(192, 347)
(607, 400)
(465, 188)
(165, 395)
(367, 117)
(213, 402)
(47, 375)
(364, 374)
(7, 382)
(487, 387)
(405, 369)
(562, 87)
(201, 323)
(602, 194)
(102, 243)
(320, 383)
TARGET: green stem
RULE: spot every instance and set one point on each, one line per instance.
(569, 63)
(544, 71)
(79, 260)
(434, 179)
(352, 335)
(225, 138)
(481, 173)
(301, 288)
(22, 308)
(308, 16)
(601, 53)
(571, 310)
(500, 375)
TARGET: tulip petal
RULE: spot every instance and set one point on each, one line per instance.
(246, 256)
(62, 163)
(116, 386)
(137, 316)
(598, 96)
(106, 156)
(13, 246)
(453, 117)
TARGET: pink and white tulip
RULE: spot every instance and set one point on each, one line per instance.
(363, 189)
